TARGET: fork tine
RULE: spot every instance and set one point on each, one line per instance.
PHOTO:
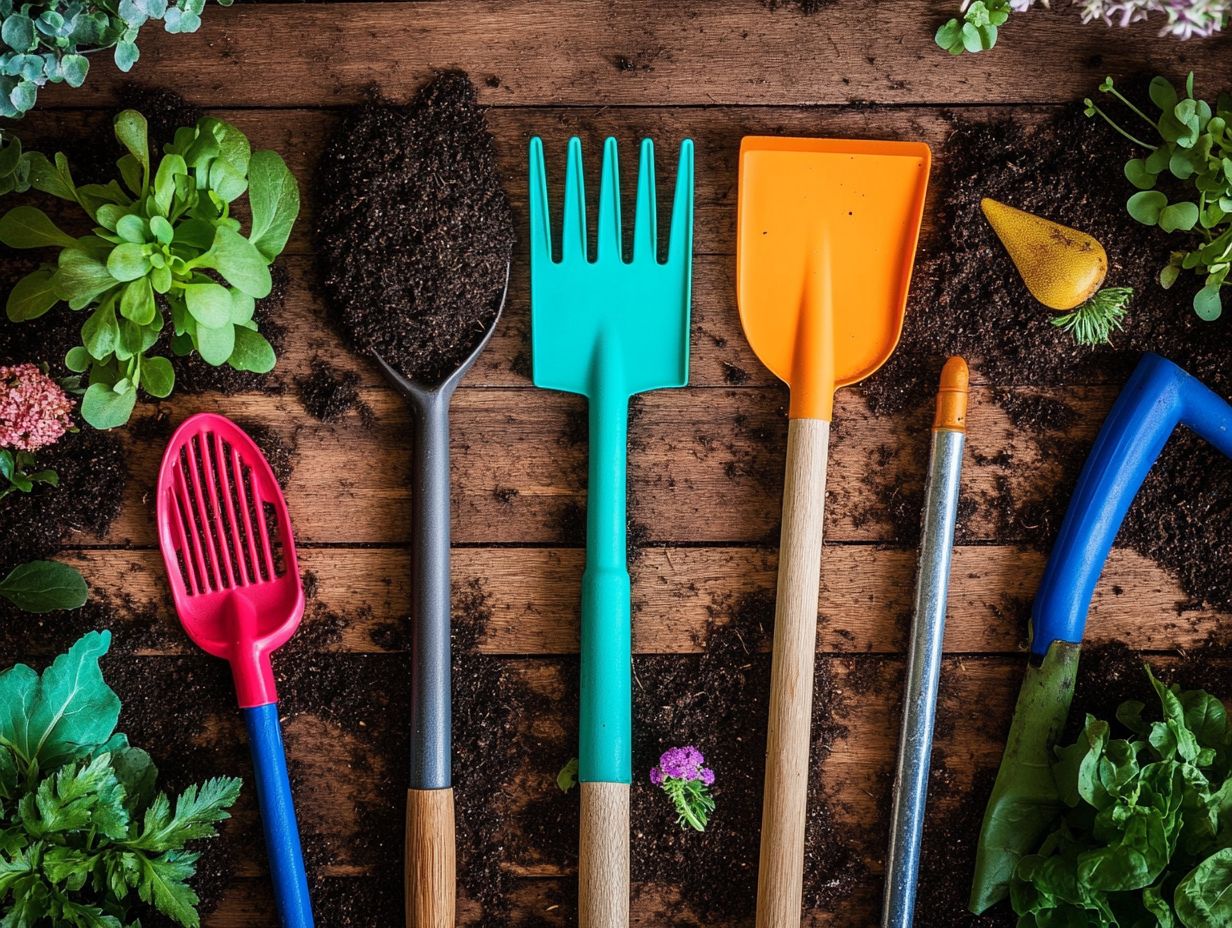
(610, 248)
(680, 245)
(537, 193)
(573, 241)
(646, 220)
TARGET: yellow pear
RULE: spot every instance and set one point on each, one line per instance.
(1062, 267)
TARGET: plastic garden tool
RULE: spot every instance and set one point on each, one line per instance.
(915, 740)
(430, 872)
(826, 238)
(1024, 803)
(226, 541)
(608, 328)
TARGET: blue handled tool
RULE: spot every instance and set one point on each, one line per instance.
(1158, 397)
(607, 328)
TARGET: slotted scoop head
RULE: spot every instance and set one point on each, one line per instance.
(226, 541)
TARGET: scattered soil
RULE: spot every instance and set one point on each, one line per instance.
(967, 296)
(807, 7)
(415, 232)
(93, 472)
(329, 394)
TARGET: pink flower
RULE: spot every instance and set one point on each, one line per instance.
(34, 410)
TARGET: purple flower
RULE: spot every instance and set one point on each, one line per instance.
(686, 763)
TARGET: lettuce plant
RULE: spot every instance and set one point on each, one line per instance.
(1146, 838)
(1188, 150)
(84, 835)
(49, 41)
(163, 239)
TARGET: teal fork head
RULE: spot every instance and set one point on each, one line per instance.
(617, 320)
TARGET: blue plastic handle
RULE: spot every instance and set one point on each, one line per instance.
(286, 860)
(1158, 397)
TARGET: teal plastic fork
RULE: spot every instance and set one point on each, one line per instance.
(608, 328)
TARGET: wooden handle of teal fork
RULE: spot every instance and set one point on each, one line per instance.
(781, 868)
(431, 882)
(603, 859)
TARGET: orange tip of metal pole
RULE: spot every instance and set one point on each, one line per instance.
(952, 396)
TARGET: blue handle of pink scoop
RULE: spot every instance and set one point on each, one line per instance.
(286, 859)
(1158, 397)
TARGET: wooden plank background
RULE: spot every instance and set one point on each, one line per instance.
(704, 473)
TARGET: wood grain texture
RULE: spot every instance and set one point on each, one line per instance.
(431, 881)
(603, 856)
(629, 52)
(781, 867)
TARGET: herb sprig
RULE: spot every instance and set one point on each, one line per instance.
(84, 835)
(1189, 148)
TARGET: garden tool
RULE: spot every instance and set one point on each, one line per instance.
(1024, 802)
(608, 328)
(932, 583)
(226, 541)
(826, 238)
(430, 870)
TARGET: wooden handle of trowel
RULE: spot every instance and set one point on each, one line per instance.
(431, 881)
(780, 876)
(603, 859)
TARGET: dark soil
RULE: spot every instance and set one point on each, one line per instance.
(967, 299)
(718, 700)
(329, 394)
(807, 7)
(93, 472)
(415, 232)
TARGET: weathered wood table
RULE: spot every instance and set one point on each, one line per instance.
(705, 478)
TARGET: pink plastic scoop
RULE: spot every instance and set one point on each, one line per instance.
(226, 541)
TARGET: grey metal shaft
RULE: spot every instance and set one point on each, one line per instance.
(430, 596)
(923, 672)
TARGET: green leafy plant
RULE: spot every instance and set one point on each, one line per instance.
(164, 237)
(14, 166)
(44, 586)
(1189, 147)
(49, 41)
(19, 472)
(84, 836)
(977, 30)
(1146, 836)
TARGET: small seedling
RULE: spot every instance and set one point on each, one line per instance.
(683, 775)
(568, 776)
(1187, 149)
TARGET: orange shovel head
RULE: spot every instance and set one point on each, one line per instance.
(827, 231)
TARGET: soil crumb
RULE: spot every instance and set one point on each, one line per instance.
(329, 394)
(415, 232)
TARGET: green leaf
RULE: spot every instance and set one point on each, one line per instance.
(1147, 206)
(252, 352)
(274, 198)
(1179, 217)
(567, 778)
(1137, 174)
(157, 376)
(101, 332)
(163, 884)
(209, 304)
(44, 586)
(239, 263)
(32, 296)
(132, 132)
(103, 408)
(77, 359)
(197, 810)
(215, 345)
(74, 68)
(1207, 304)
(1204, 897)
(64, 714)
(137, 302)
(29, 227)
(1163, 94)
(128, 262)
(18, 33)
(132, 228)
(242, 307)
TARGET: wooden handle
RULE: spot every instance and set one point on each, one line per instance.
(603, 863)
(791, 676)
(430, 871)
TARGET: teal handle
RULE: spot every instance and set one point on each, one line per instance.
(605, 754)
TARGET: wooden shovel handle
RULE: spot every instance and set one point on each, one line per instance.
(431, 882)
(781, 870)
(603, 861)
